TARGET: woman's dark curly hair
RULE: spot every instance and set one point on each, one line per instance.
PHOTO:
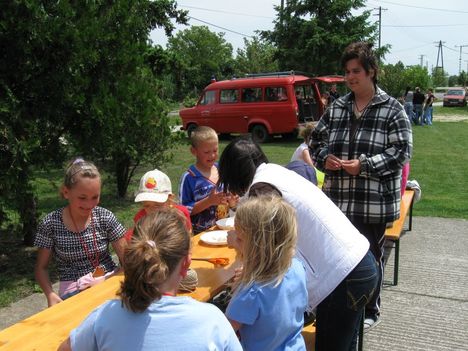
(362, 51)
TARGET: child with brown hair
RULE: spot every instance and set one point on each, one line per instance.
(78, 236)
(262, 308)
(198, 189)
(149, 315)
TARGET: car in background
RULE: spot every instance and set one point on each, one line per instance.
(264, 105)
(455, 97)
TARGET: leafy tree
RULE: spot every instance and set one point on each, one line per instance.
(395, 78)
(390, 79)
(74, 69)
(452, 81)
(417, 76)
(463, 79)
(311, 35)
(122, 119)
(36, 85)
(439, 77)
(257, 56)
(201, 54)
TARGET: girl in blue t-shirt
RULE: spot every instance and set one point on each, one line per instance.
(149, 315)
(261, 308)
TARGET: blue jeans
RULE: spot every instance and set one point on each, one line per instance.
(340, 314)
(409, 110)
(428, 115)
(418, 114)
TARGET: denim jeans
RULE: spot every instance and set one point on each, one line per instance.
(428, 115)
(340, 314)
(409, 110)
(418, 114)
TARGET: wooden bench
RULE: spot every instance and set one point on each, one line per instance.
(394, 233)
(308, 333)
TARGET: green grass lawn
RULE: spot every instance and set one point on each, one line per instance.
(450, 111)
(439, 164)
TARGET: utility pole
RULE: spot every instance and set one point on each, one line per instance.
(460, 60)
(440, 52)
(282, 11)
(380, 23)
(421, 57)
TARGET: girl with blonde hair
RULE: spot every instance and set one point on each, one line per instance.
(149, 315)
(262, 308)
(77, 236)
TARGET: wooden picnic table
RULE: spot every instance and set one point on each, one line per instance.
(47, 329)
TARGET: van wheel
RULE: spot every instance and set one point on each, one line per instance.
(190, 129)
(260, 134)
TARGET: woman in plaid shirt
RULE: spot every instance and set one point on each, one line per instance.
(362, 142)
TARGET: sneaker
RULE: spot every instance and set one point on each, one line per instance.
(370, 323)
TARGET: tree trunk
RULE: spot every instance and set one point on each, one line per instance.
(122, 167)
(27, 209)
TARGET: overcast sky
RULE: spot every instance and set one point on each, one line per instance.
(413, 28)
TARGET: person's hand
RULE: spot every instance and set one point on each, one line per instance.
(232, 200)
(333, 163)
(352, 167)
(53, 299)
(217, 198)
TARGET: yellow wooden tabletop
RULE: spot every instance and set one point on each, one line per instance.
(47, 329)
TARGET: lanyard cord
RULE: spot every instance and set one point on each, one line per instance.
(93, 260)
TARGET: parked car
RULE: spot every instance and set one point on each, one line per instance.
(455, 97)
(261, 104)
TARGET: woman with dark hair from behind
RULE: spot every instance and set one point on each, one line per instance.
(149, 315)
(341, 273)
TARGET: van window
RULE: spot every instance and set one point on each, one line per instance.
(228, 96)
(309, 93)
(251, 94)
(208, 98)
(275, 94)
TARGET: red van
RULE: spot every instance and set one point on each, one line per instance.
(261, 104)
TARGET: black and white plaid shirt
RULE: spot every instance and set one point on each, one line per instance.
(382, 142)
(71, 258)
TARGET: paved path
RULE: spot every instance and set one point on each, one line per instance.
(427, 310)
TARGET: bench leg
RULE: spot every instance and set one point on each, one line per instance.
(397, 261)
(411, 216)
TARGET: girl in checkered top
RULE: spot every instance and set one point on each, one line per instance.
(78, 236)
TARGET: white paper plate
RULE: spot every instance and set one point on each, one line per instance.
(225, 223)
(215, 237)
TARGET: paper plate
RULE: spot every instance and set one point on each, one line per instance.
(225, 223)
(215, 237)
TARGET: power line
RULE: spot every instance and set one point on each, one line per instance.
(426, 25)
(214, 25)
(227, 12)
(423, 8)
